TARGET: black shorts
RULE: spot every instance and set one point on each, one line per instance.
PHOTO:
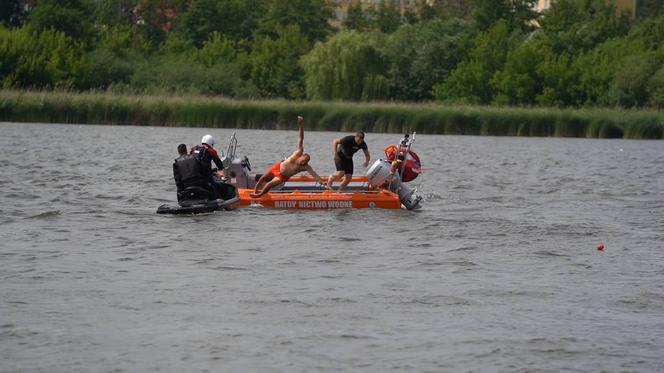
(344, 164)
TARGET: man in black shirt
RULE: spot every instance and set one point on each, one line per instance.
(343, 149)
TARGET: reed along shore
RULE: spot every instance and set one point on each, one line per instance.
(427, 118)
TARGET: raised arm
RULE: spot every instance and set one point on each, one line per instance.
(300, 144)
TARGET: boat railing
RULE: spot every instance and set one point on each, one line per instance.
(232, 146)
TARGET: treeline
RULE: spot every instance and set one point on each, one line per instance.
(578, 53)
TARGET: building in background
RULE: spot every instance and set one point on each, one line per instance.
(626, 6)
(542, 5)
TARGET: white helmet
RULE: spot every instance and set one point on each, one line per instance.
(208, 139)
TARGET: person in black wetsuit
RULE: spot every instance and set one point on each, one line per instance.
(343, 149)
(187, 171)
(205, 153)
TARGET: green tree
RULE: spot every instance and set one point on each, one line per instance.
(444, 9)
(356, 18)
(273, 63)
(233, 18)
(112, 13)
(602, 78)
(518, 13)
(69, 16)
(115, 58)
(630, 82)
(470, 81)
(423, 54)
(217, 49)
(560, 80)
(311, 16)
(410, 16)
(154, 19)
(575, 26)
(647, 35)
(348, 66)
(384, 17)
(488, 12)
(649, 8)
(44, 60)
(11, 13)
(596, 69)
(177, 44)
(181, 74)
(518, 83)
(655, 89)
(200, 20)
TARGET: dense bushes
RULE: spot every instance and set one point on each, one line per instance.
(46, 60)
(348, 66)
(590, 60)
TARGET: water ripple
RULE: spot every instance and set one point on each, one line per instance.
(499, 271)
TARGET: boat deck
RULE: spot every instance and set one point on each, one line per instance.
(303, 192)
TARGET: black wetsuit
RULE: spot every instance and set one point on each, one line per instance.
(187, 172)
(206, 154)
(343, 160)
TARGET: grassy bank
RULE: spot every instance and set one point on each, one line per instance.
(103, 108)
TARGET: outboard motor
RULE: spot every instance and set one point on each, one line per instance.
(403, 165)
(380, 175)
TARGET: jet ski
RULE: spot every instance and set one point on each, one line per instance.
(196, 200)
(195, 193)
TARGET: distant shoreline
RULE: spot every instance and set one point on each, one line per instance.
(426, 118)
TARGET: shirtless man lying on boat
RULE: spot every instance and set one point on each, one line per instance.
(280, 172)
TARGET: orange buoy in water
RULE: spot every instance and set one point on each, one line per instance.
(600, 247)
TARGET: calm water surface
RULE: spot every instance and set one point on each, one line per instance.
(498, 272)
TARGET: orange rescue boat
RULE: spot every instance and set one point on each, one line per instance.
(383, 186)
(303, 193)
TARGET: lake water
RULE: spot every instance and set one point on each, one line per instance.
(499, 271)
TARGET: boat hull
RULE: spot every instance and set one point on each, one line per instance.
(322, 200)
(199, 207)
